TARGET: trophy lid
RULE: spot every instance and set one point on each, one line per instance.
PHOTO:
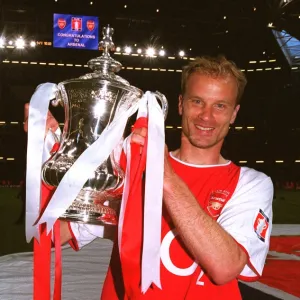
(105, 63)
(105, 67)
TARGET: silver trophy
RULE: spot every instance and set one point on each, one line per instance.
(91, 102)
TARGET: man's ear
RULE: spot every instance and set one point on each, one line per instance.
(233, 117)
(180, 104)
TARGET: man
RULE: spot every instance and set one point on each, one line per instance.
(217, 217)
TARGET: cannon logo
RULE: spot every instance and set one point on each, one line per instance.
(90, 24)
(261, 225)
(61, 23)
(216, 202)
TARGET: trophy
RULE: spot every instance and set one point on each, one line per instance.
(91, 102)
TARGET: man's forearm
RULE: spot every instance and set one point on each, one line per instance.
(212, 247)
(65, 234)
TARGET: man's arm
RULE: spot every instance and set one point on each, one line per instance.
(65, 233)
(211, 246)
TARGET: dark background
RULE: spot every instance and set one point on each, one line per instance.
(270, 104)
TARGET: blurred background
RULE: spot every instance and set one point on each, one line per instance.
(154, 40)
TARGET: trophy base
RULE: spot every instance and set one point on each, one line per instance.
(91, 218)
(89, 208)
(95, 219)
(90, 214)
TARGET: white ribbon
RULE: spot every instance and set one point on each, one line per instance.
(153, 191)
(36, 155)
(153, 196)
(142, 112)
(126, 148)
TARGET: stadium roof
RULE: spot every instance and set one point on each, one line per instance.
(240, 29)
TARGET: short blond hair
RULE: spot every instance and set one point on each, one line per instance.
(214, 67)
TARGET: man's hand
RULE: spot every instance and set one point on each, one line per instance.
(138, 137)
(50, 123)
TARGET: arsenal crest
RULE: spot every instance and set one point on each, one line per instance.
(90, 24)
(61, 23)
(261, 225)
(216, 202)
(76, 24)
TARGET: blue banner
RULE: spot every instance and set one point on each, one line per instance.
(79, 32)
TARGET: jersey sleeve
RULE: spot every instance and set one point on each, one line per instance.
(83, 234)
(247, 217)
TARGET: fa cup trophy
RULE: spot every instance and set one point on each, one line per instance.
(91, 102)
(83, 180)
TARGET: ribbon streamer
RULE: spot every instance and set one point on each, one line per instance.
(149, 108)
(142, 112)
(36, 154)
(153, 196)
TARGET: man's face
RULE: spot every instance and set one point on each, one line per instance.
(208, 107)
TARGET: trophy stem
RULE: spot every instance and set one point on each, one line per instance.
(91, 213)
(105, 63)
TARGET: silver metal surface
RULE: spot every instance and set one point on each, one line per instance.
(91, 102)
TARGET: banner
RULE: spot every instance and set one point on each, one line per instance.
(73, 31)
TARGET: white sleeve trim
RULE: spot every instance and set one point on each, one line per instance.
(254, 192)
(86, 233)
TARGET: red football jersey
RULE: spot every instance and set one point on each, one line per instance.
(181, 277)
(239, 199)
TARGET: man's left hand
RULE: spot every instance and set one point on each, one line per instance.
(138, 137)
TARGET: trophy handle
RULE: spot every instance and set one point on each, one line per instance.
(58, 99)
(164, 103)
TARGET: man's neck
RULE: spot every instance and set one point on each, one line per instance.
(199, 156)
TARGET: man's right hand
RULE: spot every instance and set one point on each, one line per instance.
(50, 123)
